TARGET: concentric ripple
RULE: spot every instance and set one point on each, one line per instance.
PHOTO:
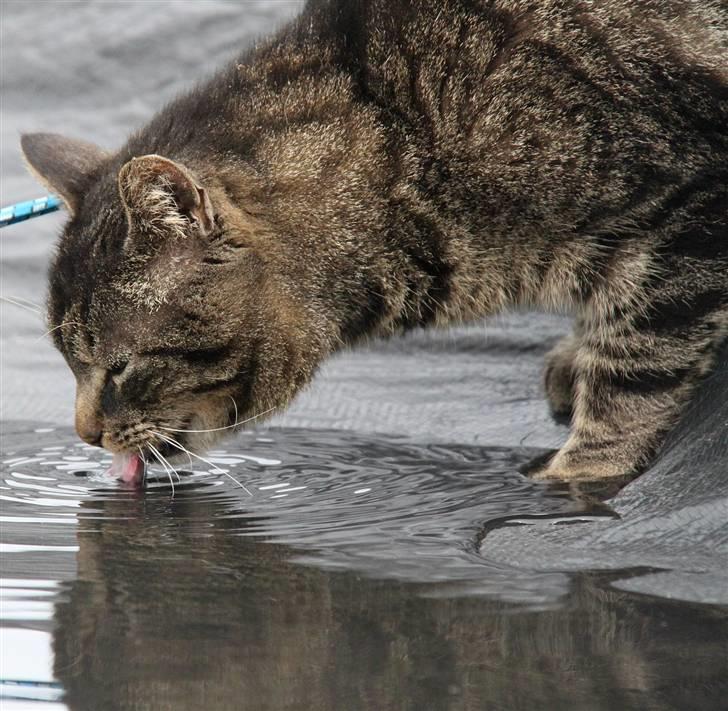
(381, 505)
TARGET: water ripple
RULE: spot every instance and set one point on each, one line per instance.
(385, 506)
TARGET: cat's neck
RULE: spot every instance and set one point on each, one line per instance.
(329, 182)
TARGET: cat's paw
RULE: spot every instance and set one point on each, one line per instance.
(582, 460)
(559, 470)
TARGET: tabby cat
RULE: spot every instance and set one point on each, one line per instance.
(380, 165)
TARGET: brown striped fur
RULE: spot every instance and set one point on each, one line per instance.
(382, 165)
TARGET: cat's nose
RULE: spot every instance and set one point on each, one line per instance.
(89, 423)
(90, 431)
(89, 420)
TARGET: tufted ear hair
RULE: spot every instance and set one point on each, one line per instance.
(163, 196)
(63, 165)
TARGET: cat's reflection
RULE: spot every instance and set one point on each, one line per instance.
(174, 609)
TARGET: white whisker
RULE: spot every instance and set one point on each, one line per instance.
(60, 325)
(158, 457)
(169, 464)
(235, 405)
(164, 463)
(20, 305)
(227, 427)
(174, 442)
(144, 463)
(181, 447)
(23, 300)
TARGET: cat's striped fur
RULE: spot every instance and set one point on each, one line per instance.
(385, 164)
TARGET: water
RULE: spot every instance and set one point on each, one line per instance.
(349, 577)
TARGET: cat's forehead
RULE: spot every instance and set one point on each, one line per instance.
(122, 298)
(111, 325)
(97, 264)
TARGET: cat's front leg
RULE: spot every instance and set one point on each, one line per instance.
(629, 390)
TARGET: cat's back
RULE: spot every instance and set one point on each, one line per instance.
(462, 63)
(543, 113)
(682, 32)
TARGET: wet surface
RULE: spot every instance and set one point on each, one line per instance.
(360, 571)
(377, 504)
(348, 576)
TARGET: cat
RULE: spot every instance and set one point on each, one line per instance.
(380, 165)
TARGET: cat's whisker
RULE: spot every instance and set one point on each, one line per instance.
(175, 443)
(181, 447)
(235, 405)
(165, 464)
(144, 462)
(159, 458)
(23, 300)
(31, 306)
(218, 429)
(20, 305)
(173, 469)
(60, 325)
(170, 470)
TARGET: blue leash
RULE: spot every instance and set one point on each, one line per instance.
(30, 208)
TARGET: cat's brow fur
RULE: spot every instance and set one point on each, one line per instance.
(380, 165)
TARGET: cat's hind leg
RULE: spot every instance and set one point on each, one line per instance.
(632, 378)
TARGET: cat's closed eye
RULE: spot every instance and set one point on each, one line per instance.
(194, 356)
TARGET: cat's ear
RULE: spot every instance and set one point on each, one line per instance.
(62, 164)
(161, 193)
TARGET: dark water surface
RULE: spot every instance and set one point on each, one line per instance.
(349, 577)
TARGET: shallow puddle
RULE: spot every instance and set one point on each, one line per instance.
(317, 570)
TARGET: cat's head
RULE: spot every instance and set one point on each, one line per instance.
(162, 301)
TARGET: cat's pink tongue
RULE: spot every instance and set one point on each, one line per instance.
(128, 467)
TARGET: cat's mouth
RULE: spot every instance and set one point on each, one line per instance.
(129, 467)
(155, 444)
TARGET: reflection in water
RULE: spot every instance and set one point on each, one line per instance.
(201, 602)
(171, 609)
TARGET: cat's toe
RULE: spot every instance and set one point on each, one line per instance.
(580, 472)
